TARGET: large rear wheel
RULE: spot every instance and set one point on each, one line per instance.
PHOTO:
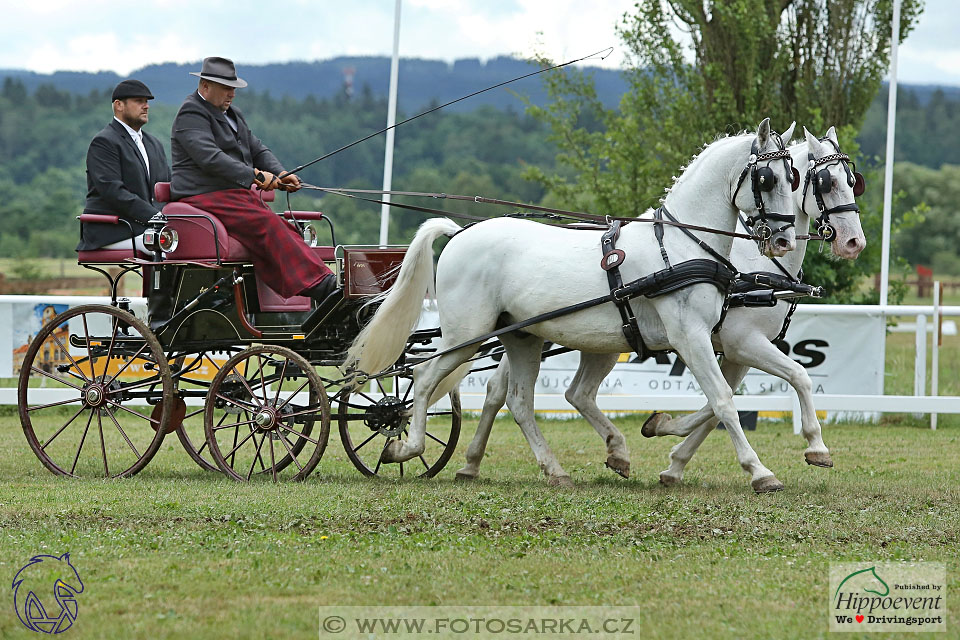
(86, 387)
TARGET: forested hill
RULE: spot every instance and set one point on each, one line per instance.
(421, 81)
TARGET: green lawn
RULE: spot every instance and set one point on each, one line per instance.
(179, 553)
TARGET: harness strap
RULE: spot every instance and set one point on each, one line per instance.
(631, 331)
(703, 245)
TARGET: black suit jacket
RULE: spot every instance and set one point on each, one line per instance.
(209, 156)
(118, 184)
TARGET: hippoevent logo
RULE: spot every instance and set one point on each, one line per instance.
(45, 593)
(888, 597)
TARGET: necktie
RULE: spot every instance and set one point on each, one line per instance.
(143, 151)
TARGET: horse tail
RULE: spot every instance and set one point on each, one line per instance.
(381, 342)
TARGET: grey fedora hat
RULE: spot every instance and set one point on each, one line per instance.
(221, 71)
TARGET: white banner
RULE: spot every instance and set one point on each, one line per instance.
(841, 353)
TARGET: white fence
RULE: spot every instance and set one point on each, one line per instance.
(850, 378)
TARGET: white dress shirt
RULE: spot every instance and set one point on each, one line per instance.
(137, 140)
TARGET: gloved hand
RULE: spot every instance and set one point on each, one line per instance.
(289, 182)
(265, 180)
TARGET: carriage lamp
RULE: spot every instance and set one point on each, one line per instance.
(159, 238)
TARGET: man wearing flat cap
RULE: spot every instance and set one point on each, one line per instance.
(123, 164)
(216, 158)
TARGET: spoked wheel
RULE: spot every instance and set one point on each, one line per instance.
(369, 421)
(261, 415)
(86, 386)
(190, 430)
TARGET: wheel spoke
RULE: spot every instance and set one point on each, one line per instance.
(375, 434)
(190, 415)
(364, 395)
(289, 448)
(276, 398)
(152, 381)
(139, 415)
(299, 389)
(103, 446)
(380, 459)
(120, 429)
(263, 384)
(243, 379)
(406, 394)
(255, 457)
(82, 440)
(127, 363)
(60, 430)
(423, 460)
(53, 377)
(236, 402)
(298, 434)
(380, 386)
(273, 461)
(113, 337)
(66, 352)
(54, 404)
(233, 424)
(234, 450)
(433, 437)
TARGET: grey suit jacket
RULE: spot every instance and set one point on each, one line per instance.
(209, 156)
(118, 184)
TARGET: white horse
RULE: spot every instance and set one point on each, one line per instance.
(745, 337)
(506, 270)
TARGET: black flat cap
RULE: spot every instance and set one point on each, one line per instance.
(131, 89)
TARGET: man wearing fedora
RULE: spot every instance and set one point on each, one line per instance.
(215, 160)
(123, 164)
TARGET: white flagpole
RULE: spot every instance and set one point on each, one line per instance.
(391, 120)
(888, 167)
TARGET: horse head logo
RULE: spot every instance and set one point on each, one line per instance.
(41, 575)
(870, 581)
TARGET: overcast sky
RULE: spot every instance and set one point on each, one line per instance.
(93, 35)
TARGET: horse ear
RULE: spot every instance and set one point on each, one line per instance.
(788, 134)
(832, 134)
(813, 145)
(763, 134)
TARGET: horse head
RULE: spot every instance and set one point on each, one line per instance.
(830, 188)
(770, 179)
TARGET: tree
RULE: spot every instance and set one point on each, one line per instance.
(702, 68)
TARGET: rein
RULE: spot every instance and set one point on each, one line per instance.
(573, 215)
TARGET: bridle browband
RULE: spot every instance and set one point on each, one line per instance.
(822, 183)
(764, 179)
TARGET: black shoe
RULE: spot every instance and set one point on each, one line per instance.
(322, 291)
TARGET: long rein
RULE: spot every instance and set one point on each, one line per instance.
(549, 212)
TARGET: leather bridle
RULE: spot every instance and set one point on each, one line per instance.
(822, 183)
(764, 179)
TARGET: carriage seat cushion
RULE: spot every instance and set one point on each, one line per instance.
(161, 192)
(200, 236)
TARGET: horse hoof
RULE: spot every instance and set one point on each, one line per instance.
(391, 452)
(668, 480)
(464, 476)
(819, 459)
(620, 466)
(767, 485)
(656, 419)
(560, 481)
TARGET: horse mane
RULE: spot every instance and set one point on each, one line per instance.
(698, 155)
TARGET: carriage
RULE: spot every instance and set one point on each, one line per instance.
(248, 380)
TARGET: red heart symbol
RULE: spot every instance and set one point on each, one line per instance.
(859, 618)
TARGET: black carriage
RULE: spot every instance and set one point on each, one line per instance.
(249, 381)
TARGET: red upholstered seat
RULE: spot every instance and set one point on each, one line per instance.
(200, 234)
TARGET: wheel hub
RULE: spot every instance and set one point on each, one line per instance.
(94, 395)
(388, 416)
(266, 418)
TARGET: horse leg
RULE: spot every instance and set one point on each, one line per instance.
(524, 355)
(426, 378)
(764, 355)
(681, 454)
(582, 394)
(695, 348)
(492, 403)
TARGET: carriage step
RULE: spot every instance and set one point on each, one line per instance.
(318, 315)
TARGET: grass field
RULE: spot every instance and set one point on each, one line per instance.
(179, 553)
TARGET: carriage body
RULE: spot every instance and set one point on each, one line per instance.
(247, 379)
